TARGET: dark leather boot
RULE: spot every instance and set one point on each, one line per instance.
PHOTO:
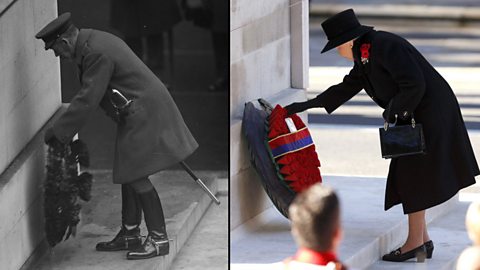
(124, 240)
(155, 245)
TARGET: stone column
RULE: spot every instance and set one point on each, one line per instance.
(29, 96)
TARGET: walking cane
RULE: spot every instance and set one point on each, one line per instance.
(199, 182)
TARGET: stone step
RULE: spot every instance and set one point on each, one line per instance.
(450, 239)
(369, 231)
(207, 247)
(184, 204)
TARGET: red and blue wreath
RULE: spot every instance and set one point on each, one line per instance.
(293, 152)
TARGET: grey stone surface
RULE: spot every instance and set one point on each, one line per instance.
(243, 12)
(29, 76)
(30, 95)
(299, 41)
(260, 74)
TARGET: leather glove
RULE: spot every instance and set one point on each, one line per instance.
(388, 118)
(297, 107)
(49, 137)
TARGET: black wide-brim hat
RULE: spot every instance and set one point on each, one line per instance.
(341, 28)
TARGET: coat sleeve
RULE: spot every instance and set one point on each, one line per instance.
(336, 95)
(98, 70)
(398, 58)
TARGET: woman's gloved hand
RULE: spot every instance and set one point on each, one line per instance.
(297, 107)
(389, 118)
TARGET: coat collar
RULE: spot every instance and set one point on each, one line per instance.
(82, 39)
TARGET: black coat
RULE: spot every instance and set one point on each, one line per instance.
(398, 78)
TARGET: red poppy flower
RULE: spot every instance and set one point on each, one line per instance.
(365, 52)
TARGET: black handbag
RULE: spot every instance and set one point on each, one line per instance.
(402, 140)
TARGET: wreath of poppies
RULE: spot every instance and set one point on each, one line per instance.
(293, 153)
(62, 188)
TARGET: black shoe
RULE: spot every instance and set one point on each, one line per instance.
(154, 245)
(397, 256)
(125, 240)
(429, 247)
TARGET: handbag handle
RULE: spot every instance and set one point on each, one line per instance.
(386, 125)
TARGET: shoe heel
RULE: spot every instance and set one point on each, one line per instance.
(421, 255)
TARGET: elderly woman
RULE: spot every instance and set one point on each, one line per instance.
(400, 80)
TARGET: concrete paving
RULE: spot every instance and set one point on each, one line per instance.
(450, 239)
(183, 201)
(369, 231)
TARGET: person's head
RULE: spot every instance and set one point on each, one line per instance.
(472, 220)
(315, 216)
(341, 30)
(469, 259)
(60, 35)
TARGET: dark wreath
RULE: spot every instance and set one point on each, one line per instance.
(62, 188)
(286, 174)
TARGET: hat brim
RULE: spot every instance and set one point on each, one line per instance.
(362, 29)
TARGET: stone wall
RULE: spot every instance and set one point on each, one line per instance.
(268, 59)
(30, 95)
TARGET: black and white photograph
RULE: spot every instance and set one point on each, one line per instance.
(114, 134)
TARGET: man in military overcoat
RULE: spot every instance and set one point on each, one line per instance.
(151, 133)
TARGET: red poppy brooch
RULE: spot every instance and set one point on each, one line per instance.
(365, 53)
